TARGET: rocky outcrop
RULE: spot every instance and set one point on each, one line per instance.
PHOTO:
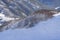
(23, 14)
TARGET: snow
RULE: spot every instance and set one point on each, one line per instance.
(46, 30)
(58, 14)
(57, 7)
(4, 18)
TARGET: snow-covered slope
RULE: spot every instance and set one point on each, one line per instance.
(46, 30)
